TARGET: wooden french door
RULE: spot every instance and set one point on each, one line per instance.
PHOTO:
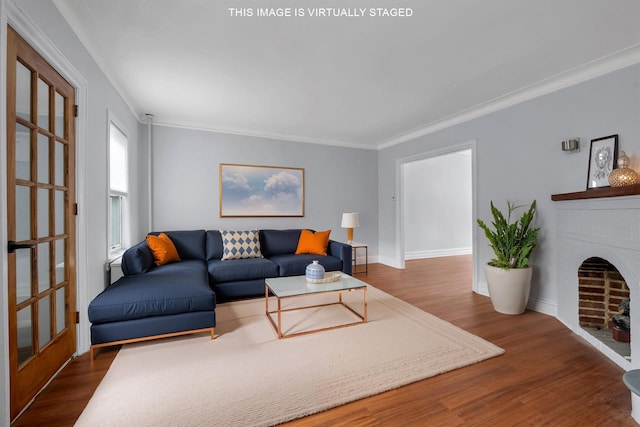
(41, 220)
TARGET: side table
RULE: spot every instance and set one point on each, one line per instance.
(354, 248)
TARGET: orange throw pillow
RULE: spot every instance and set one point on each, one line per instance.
(163, 249)
(313, 243)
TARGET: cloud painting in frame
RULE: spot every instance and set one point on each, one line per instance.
(270, 191)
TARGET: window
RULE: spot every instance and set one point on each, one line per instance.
(118, 187)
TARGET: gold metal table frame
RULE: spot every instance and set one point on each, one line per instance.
(277, 324)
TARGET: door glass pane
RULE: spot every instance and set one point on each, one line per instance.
(59, 212)
(44, 320)
(60, 270)
(59, 163)
(25, 337)
(23, 275)
(23, 92)
(43, 159)
(43, 212)
(23, 153)
(23, 213)
(43, 105)
(60, 310)
(59, 110)
(43, 267)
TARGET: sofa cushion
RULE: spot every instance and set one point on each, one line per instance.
(190, 243)
(295, 265)
(279, 242)
(162, 249)
(313, 243)
(180, 287)
(214, 245)
(137, 259)
(229, 291)
(240, 244)
(241, 269)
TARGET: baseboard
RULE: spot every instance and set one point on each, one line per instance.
(482, 289)
(393, 262)
(361, 259)
(390, 261)
(436, 253)
(543, 306)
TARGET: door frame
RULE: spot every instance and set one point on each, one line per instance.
(400, 191)
(11, 14)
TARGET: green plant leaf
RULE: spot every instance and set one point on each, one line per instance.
(512, 242)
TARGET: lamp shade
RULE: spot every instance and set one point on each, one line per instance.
(350, 220)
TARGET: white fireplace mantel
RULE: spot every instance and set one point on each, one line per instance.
(607, 227)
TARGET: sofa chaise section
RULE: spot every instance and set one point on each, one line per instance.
(155, 301)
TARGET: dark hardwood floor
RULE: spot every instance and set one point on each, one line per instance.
(547, 377)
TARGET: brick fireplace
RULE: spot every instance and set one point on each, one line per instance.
(607, 228)
(601, 290)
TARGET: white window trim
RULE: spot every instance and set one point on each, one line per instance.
(116, 250)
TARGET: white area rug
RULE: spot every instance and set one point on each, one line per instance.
(247, 377)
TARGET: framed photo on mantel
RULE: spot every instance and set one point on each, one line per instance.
(603, 156)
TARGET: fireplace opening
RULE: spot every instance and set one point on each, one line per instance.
(604, 303)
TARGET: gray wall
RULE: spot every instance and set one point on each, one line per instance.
(186, 182)
(518, 157)
(437, 206)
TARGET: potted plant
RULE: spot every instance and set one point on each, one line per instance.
(509, 274)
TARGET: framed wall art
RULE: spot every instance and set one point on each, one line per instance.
(261, 191)
(603, 156)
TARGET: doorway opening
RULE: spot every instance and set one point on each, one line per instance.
(437, 204)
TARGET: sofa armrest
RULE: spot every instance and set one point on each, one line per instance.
(342, 251)
(137, 259)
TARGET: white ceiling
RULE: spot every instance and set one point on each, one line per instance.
(364, 82)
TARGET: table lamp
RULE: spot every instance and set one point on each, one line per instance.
(350, 221)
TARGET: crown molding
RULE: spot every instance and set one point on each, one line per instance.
(268, 135)
(602, 66)
(599, 67)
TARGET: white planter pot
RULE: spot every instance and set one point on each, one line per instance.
(509, 289)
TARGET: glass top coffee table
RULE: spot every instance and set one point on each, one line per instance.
(283, 288)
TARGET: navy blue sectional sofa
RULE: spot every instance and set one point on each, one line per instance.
(180, 298)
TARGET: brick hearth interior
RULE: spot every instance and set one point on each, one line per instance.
(601, 288)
